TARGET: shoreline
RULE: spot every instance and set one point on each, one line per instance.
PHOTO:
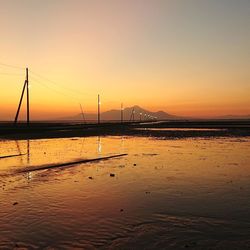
(161, 129)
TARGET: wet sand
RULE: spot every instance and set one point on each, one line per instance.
(165, 194)
(178, 185)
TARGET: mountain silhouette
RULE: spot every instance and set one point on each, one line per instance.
(115, 114)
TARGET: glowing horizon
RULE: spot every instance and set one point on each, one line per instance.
(187, 59)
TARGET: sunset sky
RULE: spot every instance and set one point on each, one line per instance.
(186, 57)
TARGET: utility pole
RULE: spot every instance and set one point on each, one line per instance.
(132, 117)
(25, 85)
(28, 101)
(140, 116)
(121, 112)
(83, 117)
(98, 115)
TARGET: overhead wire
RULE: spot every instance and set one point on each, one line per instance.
(7, 70)
(33, 79)
(59, 85)
(10, 74)
(40, 79)
(31, 72)
(11, 66)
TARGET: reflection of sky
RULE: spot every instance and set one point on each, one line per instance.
(191, 186)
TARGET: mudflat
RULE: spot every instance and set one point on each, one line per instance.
(163, 193)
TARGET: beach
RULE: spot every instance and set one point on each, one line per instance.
(189, 192)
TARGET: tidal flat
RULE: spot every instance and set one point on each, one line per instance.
(164, 194)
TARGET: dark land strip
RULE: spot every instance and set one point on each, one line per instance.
(179, 129)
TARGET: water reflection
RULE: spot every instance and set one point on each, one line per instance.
(179, 193)
(28, 152)
(99, 146)
(19, 151)
(82, 146)
(29, 176)
(122, 144)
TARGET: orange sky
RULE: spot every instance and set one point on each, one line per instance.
(188, 58)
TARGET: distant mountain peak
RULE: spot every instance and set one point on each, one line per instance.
(115, 114)
(136, 107)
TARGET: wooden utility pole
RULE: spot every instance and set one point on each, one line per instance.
(83, 117)
(121, 112)
(26, 85)
(98, 115)
(132, 117)
(28, 101)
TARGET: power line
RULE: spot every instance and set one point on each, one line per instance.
(42, 77)
(33, 77)
(11, 66)
(10, 74)
(58, 84)
(31, 72)
(55, 90)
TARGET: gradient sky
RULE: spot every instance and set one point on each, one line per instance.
(186, 57)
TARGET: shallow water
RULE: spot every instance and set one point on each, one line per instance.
(166, 194)
(181, 129)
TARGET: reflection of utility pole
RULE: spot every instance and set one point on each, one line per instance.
(122, 145)
(28, 151)
(121, 112)
(99, 146)
(26, 85)
(83, 117)
(98, 115)
(19, 150)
